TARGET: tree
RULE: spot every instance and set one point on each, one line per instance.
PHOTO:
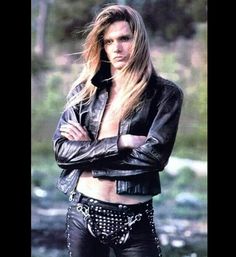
(39, 48)
(170, 19)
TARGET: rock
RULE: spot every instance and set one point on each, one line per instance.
(176, 164)
(186, 198)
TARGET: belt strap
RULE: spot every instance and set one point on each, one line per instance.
(78, 197)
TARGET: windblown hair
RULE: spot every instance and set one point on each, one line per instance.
(137, 70)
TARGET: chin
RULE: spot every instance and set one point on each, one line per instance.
(119, 66)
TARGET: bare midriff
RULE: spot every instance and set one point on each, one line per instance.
(105, 189)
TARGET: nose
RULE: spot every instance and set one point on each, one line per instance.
(116, 47)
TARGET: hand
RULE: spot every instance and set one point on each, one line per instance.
(74, 131)
(131, 141)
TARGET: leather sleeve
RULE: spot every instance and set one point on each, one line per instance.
(80, 154)
(155, 152)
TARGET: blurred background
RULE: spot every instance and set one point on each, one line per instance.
(178, 38)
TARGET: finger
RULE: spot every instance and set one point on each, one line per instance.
(67, 135)
(76, 124)
(71, 129)
(74, 132)
(79, 127)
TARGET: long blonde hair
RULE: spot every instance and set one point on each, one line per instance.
(137, 70)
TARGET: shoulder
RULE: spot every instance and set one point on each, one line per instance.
(165, 87)
(75, 90)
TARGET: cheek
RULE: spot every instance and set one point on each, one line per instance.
(128, 47)
(128, 50)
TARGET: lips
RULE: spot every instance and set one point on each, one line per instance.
(119, 58)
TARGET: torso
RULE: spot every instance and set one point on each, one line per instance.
(104, 189)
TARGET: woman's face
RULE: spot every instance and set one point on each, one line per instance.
(118, 41)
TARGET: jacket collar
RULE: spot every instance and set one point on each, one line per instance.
(100, 79)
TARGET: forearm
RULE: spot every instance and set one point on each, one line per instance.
(84, 154)
(135, 153)
(128, 141)
(74, 148)
(147, 157)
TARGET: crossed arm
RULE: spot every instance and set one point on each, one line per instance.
(73, 131)
(74, 148)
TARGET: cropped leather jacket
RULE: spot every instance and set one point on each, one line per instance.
(135, 171)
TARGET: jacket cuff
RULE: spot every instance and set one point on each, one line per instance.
(111, 145)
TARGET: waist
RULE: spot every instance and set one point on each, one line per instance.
(106, 190)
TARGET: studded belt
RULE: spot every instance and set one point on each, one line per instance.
(110, 222)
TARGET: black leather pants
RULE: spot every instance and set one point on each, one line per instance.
(138, 237)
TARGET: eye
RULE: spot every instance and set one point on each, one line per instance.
(125, 38)
(107, 42)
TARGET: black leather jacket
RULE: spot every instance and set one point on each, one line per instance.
(135, 171)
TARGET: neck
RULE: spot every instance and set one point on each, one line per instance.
(117, 80)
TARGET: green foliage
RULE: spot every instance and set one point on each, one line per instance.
(44, 170)
(195, 8)
(167, 65)
(171, 18)
(191, 141)
(191, 145)
(168, 19)
(42, 145)
(45, 113)
(185, 178)
(37, 178)
(39, 64)
(187, 212)
(69, 17)
(186, 66)
(173, 185)
(52, 100)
